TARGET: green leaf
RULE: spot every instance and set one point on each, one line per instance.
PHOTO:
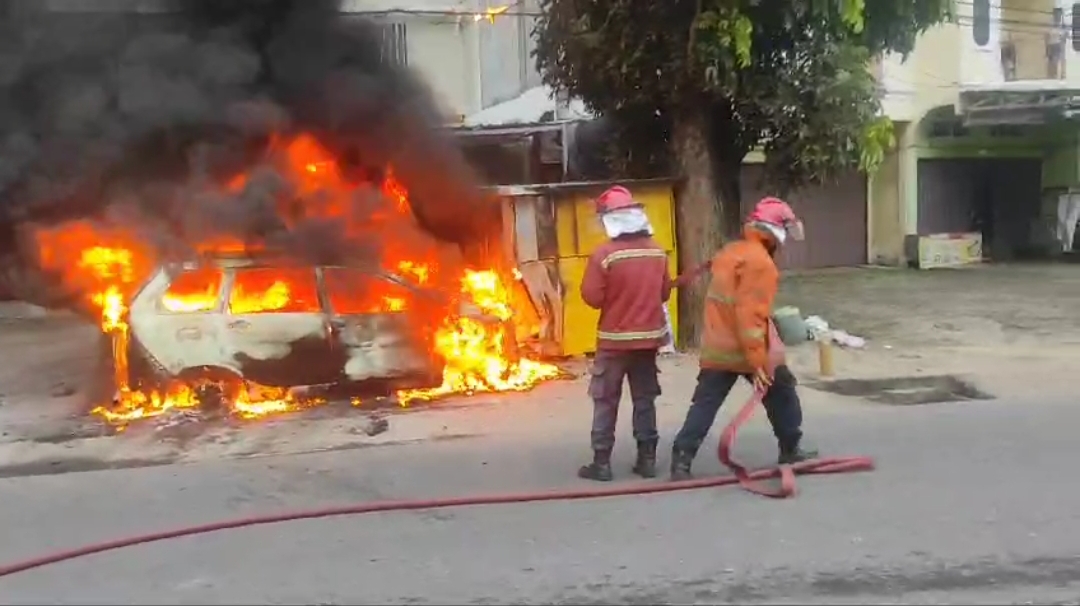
(852, 12)
(787, 76)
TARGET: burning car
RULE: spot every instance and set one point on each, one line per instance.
(293, 135)
(229, 321)
(254, 335)
(246, 322)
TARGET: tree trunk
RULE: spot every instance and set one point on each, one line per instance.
(699, 217)
(728, 174)
(728, 155)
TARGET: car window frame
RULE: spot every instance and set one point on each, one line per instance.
(232, 272)
(159, 302)
(325, 290)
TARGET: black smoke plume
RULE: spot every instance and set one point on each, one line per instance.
(130, 116)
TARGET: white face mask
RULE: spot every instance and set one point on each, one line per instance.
(625, 221)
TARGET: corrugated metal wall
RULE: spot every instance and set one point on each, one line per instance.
(999, 197)
(834, 215)
(947, 193)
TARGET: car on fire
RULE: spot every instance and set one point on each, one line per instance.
(230, 320)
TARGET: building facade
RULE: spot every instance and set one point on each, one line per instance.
(985, 145)
(473, 53)
(981, 109)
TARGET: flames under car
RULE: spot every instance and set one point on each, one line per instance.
(219, 324)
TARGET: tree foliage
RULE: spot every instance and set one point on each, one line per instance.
(718, 78)
(790, 76)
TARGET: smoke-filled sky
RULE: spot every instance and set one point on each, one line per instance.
(131, 117)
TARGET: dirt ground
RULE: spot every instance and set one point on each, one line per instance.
(1005, 328)
(994, 322)
(982, 306)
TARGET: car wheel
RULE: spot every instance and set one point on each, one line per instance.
(215, 389)
(211, 398)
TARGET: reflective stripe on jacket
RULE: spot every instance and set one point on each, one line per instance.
(738, 304)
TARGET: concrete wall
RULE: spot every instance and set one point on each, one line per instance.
(1026, 26)
(885, 229)
(506, 45)
(443, 52)
(926, 78)
(470, 62)
(980, 64)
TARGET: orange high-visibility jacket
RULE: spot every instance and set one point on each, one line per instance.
(738, 306)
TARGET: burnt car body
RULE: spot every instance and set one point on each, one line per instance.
(326, 334)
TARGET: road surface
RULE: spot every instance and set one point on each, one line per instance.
(973, 502)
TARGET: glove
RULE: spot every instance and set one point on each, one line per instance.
(762, 380)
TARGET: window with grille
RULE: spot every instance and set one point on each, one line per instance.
(980, 22)
(395, 48)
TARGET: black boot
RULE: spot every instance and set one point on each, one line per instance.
(645, 466)
(791, 453)
(600, 469)
(680, 464)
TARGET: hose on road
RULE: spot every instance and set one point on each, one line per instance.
(748, 480)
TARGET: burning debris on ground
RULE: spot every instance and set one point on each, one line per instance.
(259, 165)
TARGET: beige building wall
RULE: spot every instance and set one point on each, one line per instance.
(885, 232)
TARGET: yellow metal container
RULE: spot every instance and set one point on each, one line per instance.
(556, 225)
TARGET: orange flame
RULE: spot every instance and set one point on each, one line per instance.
(108, 264)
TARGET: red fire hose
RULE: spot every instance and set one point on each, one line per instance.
(750, 481)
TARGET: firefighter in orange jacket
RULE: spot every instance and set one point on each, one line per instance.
(740, 340)
(627, 279)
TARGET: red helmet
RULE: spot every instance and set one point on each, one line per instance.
(776, 215)
(615, 198)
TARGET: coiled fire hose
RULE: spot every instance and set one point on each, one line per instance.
(748, 480)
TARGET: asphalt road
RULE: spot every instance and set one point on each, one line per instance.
(973, 503)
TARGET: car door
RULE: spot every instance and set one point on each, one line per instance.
(176, 322)
(277, 329)
(385, 327)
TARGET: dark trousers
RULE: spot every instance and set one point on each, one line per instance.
(609, 368)
(781, 405)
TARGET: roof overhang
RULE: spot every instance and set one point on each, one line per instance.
(1030, 102)
(509, 131)
(538, 189)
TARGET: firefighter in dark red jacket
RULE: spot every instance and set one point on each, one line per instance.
(627, 279)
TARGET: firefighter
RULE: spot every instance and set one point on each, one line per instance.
(627, 279)
(740, 340)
